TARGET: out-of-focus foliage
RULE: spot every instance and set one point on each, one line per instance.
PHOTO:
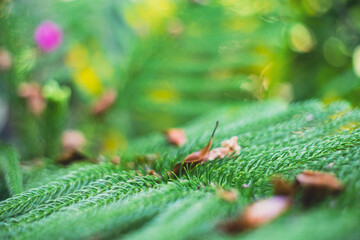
(169, 61)
(110, 201)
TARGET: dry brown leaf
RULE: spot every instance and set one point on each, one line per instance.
(228, 147)
(315, 185)
(217, 153)
(196, 157)
(105, 102)
(282, 187)
(153, 173)
(32, 93)
(176, 136)
(258, 214)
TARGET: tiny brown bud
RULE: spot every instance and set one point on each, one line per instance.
(104, 102)
(176, 136)
(116, 160)
(5, 60)
(32, 93)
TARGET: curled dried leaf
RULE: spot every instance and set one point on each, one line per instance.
(258, 214)
(316, 185)
(228, 147)
(282, 187)
(176, 136)
(218, 153)
(196, 157)
(104, 103)
(153, 173)
(232, 144)
(32, 93)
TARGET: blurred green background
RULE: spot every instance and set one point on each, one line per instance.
(168, 62)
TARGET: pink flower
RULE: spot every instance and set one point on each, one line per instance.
(48, 36)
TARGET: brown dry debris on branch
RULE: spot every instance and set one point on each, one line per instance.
(195, 158)
(312, 186)
(228, 148)
(258, 214)
(315, 186)
(282, 187)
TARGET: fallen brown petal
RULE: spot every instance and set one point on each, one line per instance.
(282, 187)
(315, 185)
(176, 136)
(104, 103)
(258, 214)
(32, 93)
(196, 157)
(228, 196)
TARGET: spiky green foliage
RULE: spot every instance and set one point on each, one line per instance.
(110, 202)
(10, 166)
